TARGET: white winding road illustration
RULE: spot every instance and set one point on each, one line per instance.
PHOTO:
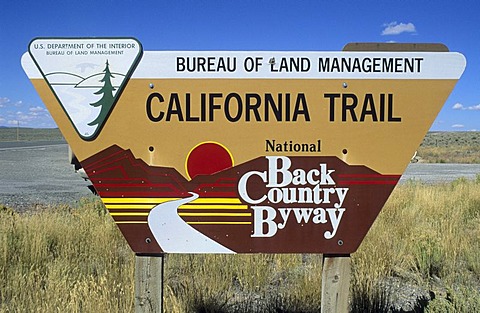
(174, 235)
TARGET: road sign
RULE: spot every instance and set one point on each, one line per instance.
(241, 151)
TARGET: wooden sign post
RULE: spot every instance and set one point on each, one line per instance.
(335, 283)
(149, 284)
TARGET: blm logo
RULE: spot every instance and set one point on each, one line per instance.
(87, 76)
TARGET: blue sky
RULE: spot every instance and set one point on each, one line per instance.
(240, 25)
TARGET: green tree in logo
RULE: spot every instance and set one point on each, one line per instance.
(106, 101)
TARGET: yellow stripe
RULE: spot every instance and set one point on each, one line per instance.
(215, 214)
(181, 214)
(162, 200)
(219, 223)
(185, 206)
(129, 214)
(217, 200)
(129, 206)
(214, 206)
(192, 223)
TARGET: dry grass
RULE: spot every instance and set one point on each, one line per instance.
(450, 147)
(63, 260)
(75, 260)
(463, 155)
(428, 236)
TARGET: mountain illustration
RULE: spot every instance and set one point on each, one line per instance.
(120, 177)
(63, 78)
(92, 81)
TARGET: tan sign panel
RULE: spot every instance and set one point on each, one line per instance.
(241, 151)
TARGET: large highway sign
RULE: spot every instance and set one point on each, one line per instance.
(241, 151)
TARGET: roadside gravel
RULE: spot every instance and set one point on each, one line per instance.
(38, 175)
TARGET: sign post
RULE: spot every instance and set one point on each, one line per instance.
(242, 151)
(149, 284)
(335, 283)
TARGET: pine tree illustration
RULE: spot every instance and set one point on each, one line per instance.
(106, 101)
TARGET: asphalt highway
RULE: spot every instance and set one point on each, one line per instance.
(15, 145)
(34, 174)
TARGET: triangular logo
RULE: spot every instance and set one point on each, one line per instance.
(87, 76)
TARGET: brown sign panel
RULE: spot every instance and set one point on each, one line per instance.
(241, 152)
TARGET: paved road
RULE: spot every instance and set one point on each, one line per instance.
(34, 174)
(38, 173)
(439, 173)
(16, 145)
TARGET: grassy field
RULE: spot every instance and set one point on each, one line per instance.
(450, 147)
(425, 243)
(29, 134)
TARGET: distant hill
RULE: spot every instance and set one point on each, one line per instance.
(450, 139)
(29, 134)
(450, 147)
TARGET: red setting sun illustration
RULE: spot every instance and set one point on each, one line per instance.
(207, 158)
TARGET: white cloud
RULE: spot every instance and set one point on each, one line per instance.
(458, 126)
(395, 28)
(474, 107)
(3, 102)
(36, 109)
(458, 106)
(13, 112)
(34, 116)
